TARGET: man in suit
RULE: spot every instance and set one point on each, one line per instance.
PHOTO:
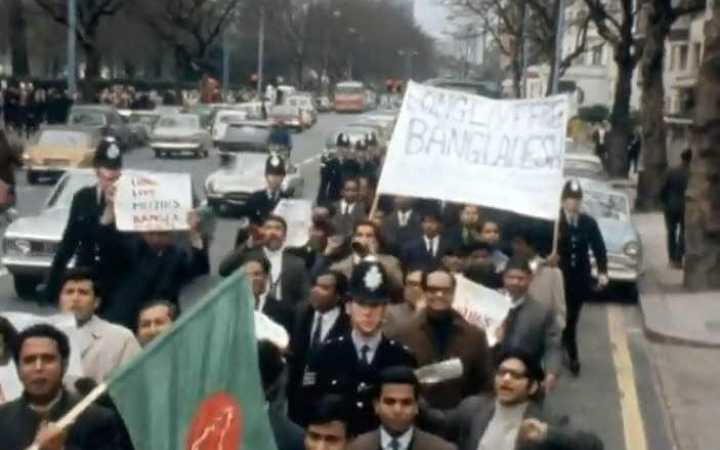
(465, 232)
(511, 418)
(153, 264)
(396, 405)
(365, 241)
(103, 346)
(439, 333)
(257, 269)
(578, 235)
(547, 284)
(288, 276)
(41, 355)
(398, 315)
(262, 203)
(349, 365)
(320, 232)
(449, 212)
(288, 435)
(80, 238)
(349, 210)
(401, 225)
(672, 196)
(426, 252)
(155, 318)
(530, 325)
(321, 318)
(330, 179)
(328, 425)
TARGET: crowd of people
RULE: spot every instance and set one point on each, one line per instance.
(365, 328)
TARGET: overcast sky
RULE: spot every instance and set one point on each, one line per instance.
(431, 16)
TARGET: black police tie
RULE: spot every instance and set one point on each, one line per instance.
(317, 334)
(394, 444)
(364, 353)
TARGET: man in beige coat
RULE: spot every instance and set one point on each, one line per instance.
(104, 346)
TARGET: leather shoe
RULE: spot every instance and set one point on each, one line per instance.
(575, 367)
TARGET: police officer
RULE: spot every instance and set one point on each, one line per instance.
(261, 203)
(578, 234)
(330, 179)
(350, 365)
(349, 167)
(81, 232)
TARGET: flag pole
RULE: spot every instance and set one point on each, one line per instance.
(72, 415)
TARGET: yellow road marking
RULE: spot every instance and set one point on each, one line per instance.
(633, 425)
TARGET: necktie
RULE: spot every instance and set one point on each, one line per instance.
(317, 333)
(364, 354)
(394, 444)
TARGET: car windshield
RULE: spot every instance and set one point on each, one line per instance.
(285, 111)
(606, 205)
(349, 90)
(232, 118)
(68, 185)
(144, 119)
(64, 138)
(179, 122)
(248, 134)
(87, 118)
(249, 164)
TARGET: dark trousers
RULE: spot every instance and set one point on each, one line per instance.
(675, 226)
(576, 292)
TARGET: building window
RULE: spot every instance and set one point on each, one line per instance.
(697, 52)
(673, 59)
(596, 53)
(683, 58)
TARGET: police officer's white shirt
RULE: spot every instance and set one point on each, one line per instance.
(404, 217)
(327, 321)
(502, 430)
(432, 244)
(404, 439)
(572, 218)
(276, 259)
(372, 342)
(346, 208)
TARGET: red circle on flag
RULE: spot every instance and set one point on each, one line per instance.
(216, 425)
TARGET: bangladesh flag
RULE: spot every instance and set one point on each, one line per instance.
(198, 386)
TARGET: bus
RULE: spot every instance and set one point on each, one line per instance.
(350, 97)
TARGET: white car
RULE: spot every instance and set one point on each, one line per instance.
(180, 133)
(307, 108)
(223, 118)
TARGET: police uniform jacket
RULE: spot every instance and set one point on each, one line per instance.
(260, 205)
(80, 239)
(330, 180)
(96, 429)
(573, 248)
(337, 369)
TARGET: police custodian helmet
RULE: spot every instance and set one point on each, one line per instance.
(368, 283)
(572, 189)
(275, 165)
(108, 155)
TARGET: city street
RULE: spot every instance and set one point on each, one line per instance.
(616, 394)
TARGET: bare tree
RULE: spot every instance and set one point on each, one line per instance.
(702, 216)
(17, 26)
(90, 15)
(615, 24)
(661, 15)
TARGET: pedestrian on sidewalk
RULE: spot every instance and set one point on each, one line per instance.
(672, 196)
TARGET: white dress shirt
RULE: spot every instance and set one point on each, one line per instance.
(502, 430)
(276, 259)
(346, 208)
(372, 342)
(404, 217)
(432, 245)
(404, 439)
(327, 320)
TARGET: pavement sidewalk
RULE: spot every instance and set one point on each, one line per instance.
(670, 312)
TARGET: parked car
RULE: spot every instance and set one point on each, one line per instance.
(584, 165)
(228, 188)
(178, 134)
(29, 243)
(244, 137)
(611, 209)
(141, 124)
(59, 148)
(223, 118)
(307, 109)
(104, 118)
(323, 104)
(291, 116)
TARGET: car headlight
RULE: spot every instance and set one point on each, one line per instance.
(632, 249)
(210, 187)
(21, 246)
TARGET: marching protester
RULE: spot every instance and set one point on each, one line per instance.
(426, 252)
(402, 225)
(578, 235)
(155, 317)
(398, 315)
(349, 210)
(257, 269)
(329, 425)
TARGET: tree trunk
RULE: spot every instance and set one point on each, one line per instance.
(652, 104)
(702, 212)
(17, 26)
(619, 135)
(93, 62)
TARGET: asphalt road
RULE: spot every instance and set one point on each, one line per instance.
(616, 394)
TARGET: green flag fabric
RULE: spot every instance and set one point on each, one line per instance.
(198, 386)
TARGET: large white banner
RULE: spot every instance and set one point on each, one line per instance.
(480, 306)
(9, 382)
(298, 215)
(453, 146)
(147, 201)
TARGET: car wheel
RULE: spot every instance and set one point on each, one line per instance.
(158, 154)
(26, 286)
(32, 177)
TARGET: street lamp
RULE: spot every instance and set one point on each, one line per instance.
(261, 52)
(71, 55)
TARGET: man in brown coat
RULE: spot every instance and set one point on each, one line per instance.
(438, 334)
